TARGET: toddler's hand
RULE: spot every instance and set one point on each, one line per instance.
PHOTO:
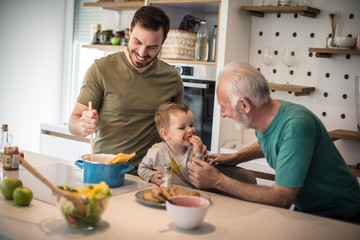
(157, 178)
(197, 145)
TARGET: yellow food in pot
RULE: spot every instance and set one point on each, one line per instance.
(122, 157)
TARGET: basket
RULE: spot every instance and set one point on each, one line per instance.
(179, 44)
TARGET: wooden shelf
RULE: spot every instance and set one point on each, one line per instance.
(259, 11)
(170, 60)
(118, 48)
(298, 90)
(105, 47)
(117, 6)
(344, 134)
(327, 52)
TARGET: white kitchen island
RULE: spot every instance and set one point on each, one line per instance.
(126, 218)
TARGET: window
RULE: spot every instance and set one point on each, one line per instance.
(79, 59)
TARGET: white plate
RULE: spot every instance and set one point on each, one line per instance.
(139, 197)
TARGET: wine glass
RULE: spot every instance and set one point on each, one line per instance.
(289, 60)
(267, 59)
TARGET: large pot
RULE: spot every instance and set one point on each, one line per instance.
(98, 170)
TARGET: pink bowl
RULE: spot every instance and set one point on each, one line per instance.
(190, 201)
(188, 212)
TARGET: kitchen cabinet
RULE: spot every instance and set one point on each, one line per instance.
(259, 11)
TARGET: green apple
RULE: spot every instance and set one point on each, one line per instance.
(115, 41)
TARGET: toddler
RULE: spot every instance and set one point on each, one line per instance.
(175, 125)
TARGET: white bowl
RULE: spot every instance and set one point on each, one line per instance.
(189, 211)
(345, 42)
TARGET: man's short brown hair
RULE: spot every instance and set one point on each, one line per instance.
(162, 115)
(152, 18)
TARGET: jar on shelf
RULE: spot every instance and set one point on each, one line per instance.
(95, 33)
(105, 36)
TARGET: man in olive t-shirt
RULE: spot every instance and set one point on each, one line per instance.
(125, 89)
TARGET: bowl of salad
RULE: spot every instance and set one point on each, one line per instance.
(96, 198)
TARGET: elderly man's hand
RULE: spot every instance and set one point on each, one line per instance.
(202, 174)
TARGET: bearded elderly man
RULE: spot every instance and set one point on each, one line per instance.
(126, 88)
(310, 172)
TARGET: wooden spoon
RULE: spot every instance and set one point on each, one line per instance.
(74, 198)
(91, 137)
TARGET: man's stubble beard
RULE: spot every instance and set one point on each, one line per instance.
(135, 53)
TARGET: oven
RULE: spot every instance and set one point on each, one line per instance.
(199, 91)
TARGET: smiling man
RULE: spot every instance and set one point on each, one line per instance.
(309, 170)
(126, 88)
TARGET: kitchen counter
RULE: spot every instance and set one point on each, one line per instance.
(125, 218)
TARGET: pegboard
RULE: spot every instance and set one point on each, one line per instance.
(333, 78)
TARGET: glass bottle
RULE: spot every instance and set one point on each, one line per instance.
(4, 140)
(202, 43)
(167, 177)
(212, 45)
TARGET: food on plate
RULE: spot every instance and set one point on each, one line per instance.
(148, 197)
(160, 194)
(183, 192)
(122, 157)
(167, 192)
(95, 199)
(22, 196)
(156, 193)
(8, 185)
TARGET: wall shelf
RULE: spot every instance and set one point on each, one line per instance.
(116, 6)
(327, 52)
(259, 11)
(344, 134)
(298, 90)
(104, 47)
(118, 48)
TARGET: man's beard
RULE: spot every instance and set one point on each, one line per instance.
(140, 65)
(242, 120)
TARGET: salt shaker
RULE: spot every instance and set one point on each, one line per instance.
(167, 177)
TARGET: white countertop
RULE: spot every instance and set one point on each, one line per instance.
(125, 218)
(55, 127)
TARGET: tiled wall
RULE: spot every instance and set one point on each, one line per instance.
(333, 78)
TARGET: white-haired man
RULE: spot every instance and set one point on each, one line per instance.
(310, 172)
